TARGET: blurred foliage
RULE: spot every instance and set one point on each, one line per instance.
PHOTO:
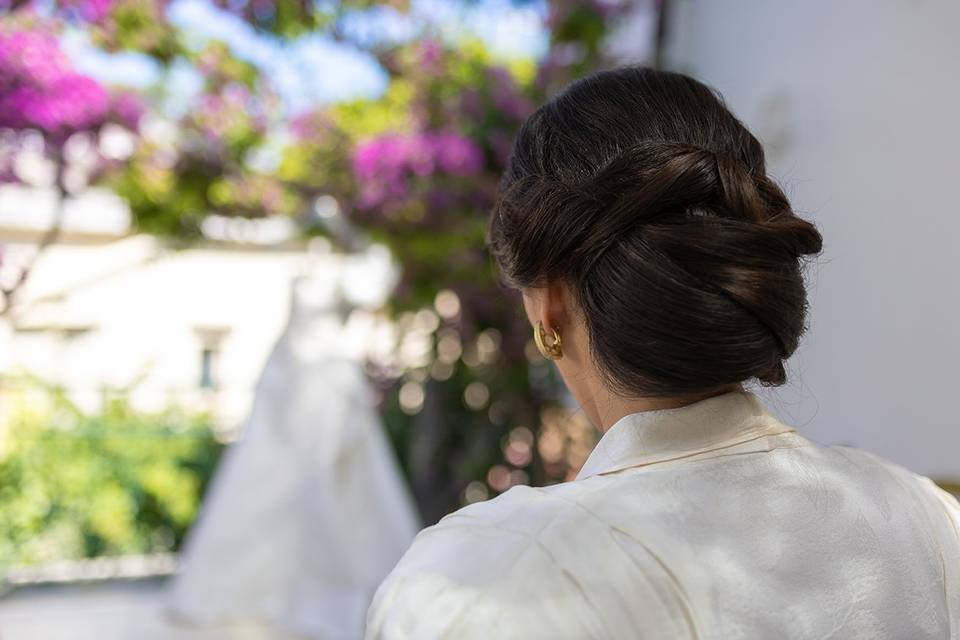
(470, 406)
(420, 178)
(74, 485)
(290, 18)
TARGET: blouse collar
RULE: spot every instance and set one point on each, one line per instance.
(648, 437)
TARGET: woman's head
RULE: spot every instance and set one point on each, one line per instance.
(636, 209)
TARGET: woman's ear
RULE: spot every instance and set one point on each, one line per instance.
(532, 302)
(555, 306)
(547, 304)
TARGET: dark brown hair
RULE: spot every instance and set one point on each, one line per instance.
(641, 191)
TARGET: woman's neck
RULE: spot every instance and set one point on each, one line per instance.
(609, 408)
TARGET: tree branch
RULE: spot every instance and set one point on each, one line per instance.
(49, 238)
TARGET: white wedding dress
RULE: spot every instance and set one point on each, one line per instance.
(308, 511)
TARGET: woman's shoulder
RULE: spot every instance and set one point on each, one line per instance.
(446, 584)
(519, 503)
(518, 565)
(886, 473)
(487, 531)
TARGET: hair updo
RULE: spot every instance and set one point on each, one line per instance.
(641, 191)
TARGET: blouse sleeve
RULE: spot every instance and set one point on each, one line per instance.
(949, 537)
(432, 606)
(535, 573)
(951, 557)
(469, 580)
(951, 506)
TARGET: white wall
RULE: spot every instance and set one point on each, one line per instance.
(133, 312)
(859, 104)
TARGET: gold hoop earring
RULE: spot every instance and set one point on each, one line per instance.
(552, 351)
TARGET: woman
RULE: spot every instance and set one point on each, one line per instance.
(661, 268)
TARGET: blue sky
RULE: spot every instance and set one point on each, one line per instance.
(314, 69)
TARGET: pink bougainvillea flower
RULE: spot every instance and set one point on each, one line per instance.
(95, 11)
(384, 165)
(30, 57)
(127, 109)
(39, 90)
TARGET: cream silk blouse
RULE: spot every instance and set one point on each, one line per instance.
(714, 520)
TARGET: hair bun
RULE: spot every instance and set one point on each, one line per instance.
(658, 181)
(641, 191)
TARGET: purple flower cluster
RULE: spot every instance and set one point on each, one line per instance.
(311, 127)
(506, 95)
(38, 89)
(430, 53)
(231, 116)
(384, 165)
(95, 11)
(30, 56)
(127, 109)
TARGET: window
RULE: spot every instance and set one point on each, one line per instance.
(209, 340)
(207, 362)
